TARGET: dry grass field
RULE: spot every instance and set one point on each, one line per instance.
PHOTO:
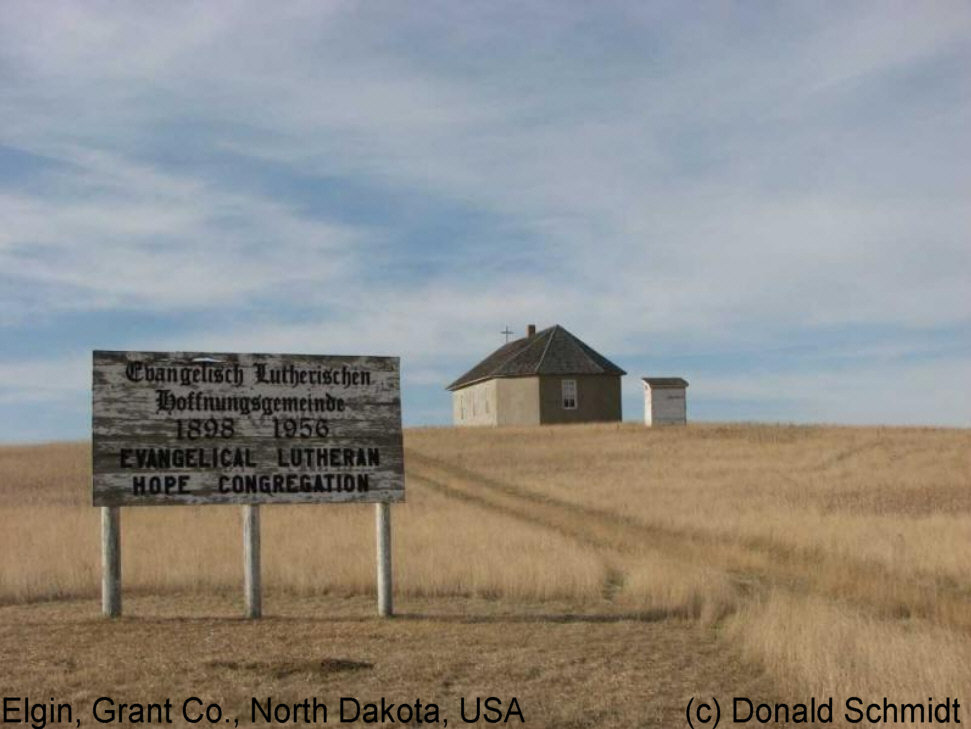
(602, 574)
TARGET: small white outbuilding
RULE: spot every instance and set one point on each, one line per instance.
(665, 401)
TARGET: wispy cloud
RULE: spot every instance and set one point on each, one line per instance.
(366, 176)
(112, 233)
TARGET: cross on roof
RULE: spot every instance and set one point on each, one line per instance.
(506, 332)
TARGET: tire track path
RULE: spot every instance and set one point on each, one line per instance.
(587, 525)
(754, 566)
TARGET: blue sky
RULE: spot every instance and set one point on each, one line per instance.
(769, 199)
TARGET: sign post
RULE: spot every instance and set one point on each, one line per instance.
(110, 561)
(251, 560)
(382, 521)
(177, 428)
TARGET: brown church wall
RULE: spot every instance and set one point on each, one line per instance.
(535, 400)
(598, 399)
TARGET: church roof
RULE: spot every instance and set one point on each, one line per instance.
(553, 351)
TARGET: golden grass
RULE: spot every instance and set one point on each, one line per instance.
(843, 553)
(815, 647)
(670, 586)
(886, 505)
(447, 548)
(841, 556)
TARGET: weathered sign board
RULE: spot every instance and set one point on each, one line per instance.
(196, 428)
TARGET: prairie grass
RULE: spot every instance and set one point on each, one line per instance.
(894, 502)
(815, 647)
(837, 558)
(674, 587)
(451, 548)
(753, 482)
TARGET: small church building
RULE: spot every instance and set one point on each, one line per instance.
(543, 378)
(665, 401)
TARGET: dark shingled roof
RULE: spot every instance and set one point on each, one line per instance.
(553, 351)
(665, 381)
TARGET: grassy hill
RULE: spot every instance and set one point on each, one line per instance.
(833, 558)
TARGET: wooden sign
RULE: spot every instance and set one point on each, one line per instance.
(191, 428)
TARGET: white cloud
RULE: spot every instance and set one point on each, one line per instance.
(119, 234)
(424, 325)
(712, 177)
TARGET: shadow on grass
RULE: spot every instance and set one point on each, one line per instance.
(640, 616)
